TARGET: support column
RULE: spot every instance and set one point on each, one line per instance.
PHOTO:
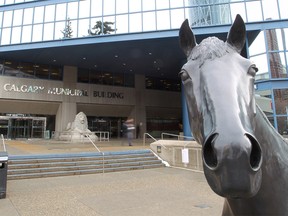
(140, 108)
(68, 108)
(185, 117)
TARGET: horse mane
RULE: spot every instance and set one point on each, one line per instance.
(209, 48)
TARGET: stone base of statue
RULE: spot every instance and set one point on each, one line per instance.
(78, 131)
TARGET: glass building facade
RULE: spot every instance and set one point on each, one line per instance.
(28, 22)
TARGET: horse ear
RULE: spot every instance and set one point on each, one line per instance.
(187, 38)
(237, 34)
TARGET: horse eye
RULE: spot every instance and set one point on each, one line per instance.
(184, 75)
(253, 70)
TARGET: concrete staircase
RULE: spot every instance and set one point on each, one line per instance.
(39, 166)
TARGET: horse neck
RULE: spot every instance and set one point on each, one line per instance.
(270, 140)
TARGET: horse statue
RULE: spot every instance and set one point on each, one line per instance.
(245, 160)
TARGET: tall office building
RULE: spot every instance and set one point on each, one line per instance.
(209, 12)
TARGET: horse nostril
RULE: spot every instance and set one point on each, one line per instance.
(256, 153)
(209, 153)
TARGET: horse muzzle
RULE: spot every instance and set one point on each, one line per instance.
(232, 164)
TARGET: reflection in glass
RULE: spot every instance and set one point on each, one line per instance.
(162, 4)
(96, 8)
(121, 24)
(37, 32)
(149, 21)
(121, 6)
(177, 17)
(38, 14)
(175, 3)
(28, 16)
(16, 35)
(83, 27)
(48, 31)
(5, 39)
(84, 9)
(135, 6)
(61, 12)
(277, 68)
(109, 7)
(7, 20)
(148, 5)
(163, 20)
(26, 34)
(72, 10)
(49, 13)
(17, 17)
(135, 24)
(59, 26)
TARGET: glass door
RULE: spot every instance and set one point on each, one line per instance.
(20, 128)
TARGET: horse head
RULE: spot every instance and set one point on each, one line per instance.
(219, 91)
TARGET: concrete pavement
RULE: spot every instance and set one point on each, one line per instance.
(159, 192)
(162, 191)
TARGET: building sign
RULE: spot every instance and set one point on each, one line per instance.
(41, 89)
(103, 94)
(8, 87)
(67, 92)
(23, 88)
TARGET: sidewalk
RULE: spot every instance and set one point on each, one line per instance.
(159, 192)
(155, 192)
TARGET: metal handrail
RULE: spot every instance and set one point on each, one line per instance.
(144, 138)
(175, 135)
(103, 135)
(147, 134)
(3, 142)
(87, 135)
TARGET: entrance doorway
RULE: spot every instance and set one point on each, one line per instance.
(22, 127)
(113, 125)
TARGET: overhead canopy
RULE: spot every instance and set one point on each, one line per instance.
(151, 53)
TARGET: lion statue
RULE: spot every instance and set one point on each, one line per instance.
(78, 130)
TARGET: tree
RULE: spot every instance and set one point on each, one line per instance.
(98, 30)
(67, 31)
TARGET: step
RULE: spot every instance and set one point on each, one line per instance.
(53, 163)
(39, 166)
(80, 167)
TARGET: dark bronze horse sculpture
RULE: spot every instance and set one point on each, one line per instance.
(245, 160)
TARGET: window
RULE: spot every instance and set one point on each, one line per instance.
(37, 32)
(84, 9)
(17, 17)
(61, 12)
(29, 70)
(38, 14)
(134, 6)
(28, 16)
(7, 20)
(49, 13)
(122, 6)
(96, 8)
(109, 7)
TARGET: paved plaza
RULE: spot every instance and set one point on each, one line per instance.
(161, 191)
